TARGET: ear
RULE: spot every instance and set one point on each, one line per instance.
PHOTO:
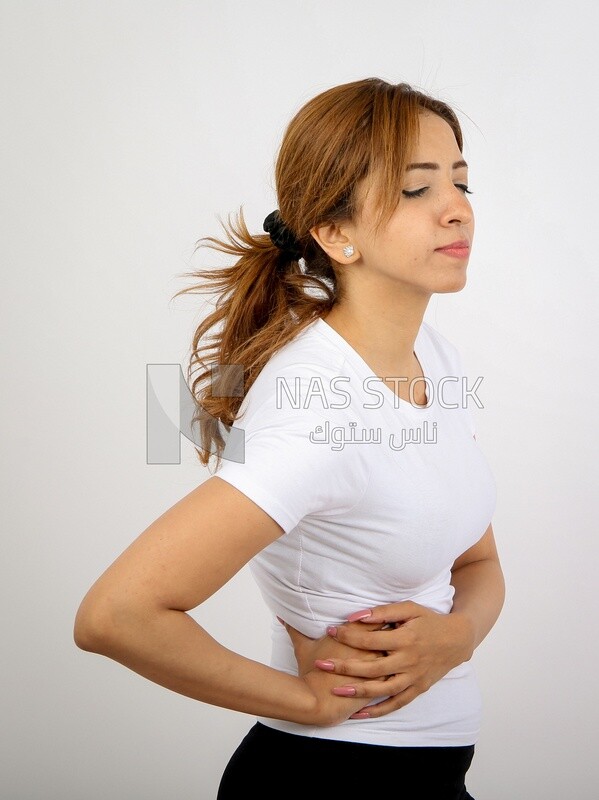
(333, 238)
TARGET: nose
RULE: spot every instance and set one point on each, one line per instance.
(456, 206)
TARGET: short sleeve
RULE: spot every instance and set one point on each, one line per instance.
(288, 470)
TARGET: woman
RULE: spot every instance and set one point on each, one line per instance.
(359, 496)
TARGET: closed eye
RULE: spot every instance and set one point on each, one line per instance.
(420, 192)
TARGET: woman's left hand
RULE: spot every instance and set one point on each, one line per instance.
(419, 647)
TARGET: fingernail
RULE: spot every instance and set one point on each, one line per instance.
(360, 715)
(344, 691)
(358, 615)
(332, 630)
(328, 665)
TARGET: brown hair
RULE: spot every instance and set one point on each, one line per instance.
(267, 297)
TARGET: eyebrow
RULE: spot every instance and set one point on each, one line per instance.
(432, 165)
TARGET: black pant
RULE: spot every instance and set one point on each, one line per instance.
(270, 764)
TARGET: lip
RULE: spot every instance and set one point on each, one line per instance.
(462, 244)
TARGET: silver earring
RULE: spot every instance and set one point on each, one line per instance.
(348, 251)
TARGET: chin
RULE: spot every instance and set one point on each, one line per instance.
(455, 283)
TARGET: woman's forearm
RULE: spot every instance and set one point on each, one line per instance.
(171, 649)
(479, 596)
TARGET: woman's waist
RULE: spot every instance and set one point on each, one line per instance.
(312, 611)
(448, 713)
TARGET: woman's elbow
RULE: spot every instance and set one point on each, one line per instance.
(95, 626)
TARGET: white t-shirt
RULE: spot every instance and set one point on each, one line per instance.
(376, 498)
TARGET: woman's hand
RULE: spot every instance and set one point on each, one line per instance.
(330, 709)
(415, 649)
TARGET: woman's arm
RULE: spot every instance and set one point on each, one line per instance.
(424, 645)
(135, 612)
(479, 586)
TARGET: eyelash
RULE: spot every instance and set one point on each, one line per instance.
(420, 192)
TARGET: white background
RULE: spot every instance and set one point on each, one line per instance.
(128, 128)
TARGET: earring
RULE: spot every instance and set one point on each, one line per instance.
(348, 251)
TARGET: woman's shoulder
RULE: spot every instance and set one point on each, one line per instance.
(303, 368)
(308, 355)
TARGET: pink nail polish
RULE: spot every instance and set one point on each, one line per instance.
(329, 666)
(332, 630)
(360, 715)
(344, 691)
(359, 615)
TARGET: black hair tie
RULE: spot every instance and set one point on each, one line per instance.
(281, 236)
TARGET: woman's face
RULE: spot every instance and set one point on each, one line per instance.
(437, 214)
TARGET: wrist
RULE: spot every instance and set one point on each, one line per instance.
(465, 633)
(323, 708)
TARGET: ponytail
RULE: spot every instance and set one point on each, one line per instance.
(263, 302)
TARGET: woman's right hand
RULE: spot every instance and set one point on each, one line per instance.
(329, 709)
